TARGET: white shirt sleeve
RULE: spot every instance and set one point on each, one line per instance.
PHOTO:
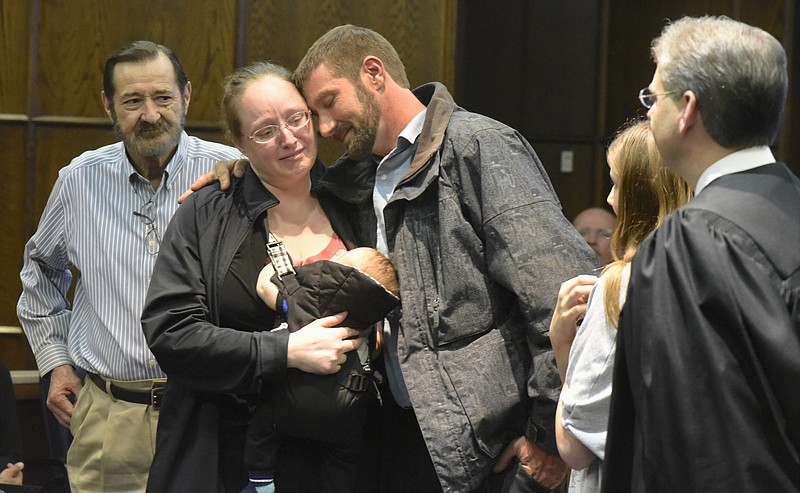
(585, 404)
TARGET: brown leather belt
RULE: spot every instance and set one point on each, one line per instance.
(148, 398)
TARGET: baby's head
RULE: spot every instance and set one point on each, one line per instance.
(372, 263)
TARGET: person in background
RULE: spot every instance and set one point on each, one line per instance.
(471, 385)
(203, 319)
(707, 375)
(596, 226)
(104, 218)
(642, 195)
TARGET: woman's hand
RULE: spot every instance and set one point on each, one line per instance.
(320, 347)
(570, 307)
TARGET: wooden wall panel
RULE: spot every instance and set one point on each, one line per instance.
(489, 77)
(14, 36)
(421, 31)
(13, 187)
(560, 96)
(575, 190)
(14, 350)
(534, 65)
(74, 46)
(561, 99)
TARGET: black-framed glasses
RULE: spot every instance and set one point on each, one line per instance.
(648, 99)
(296, 121)
(147, 214)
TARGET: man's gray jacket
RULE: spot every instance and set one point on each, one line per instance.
(481, 246)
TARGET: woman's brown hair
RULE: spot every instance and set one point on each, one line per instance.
(647, 193)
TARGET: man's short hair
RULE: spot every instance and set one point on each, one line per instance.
(737, 72)
(343, 48)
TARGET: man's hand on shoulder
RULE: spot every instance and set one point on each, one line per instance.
(222, 172)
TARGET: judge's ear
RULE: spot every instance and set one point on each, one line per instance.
(690, 116)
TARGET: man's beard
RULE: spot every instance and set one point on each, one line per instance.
(151, 140)
(365, 130)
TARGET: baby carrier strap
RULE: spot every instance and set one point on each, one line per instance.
(281, 261)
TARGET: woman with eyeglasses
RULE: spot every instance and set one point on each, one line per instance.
(203, 319)
(642, 195)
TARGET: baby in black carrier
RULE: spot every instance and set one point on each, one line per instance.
(329, 409)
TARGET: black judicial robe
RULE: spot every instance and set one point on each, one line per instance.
(707, 377)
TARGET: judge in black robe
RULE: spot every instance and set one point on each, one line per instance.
(707, 382)
(706, 388)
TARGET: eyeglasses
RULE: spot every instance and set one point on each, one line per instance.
(648, 99)
(147, 214)
(265, 135)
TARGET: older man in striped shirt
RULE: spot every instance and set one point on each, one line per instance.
(105, 217)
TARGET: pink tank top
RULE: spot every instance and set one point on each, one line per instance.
(329, 251)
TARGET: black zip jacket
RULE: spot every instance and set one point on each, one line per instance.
(202, 360)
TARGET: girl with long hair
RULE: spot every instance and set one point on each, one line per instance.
(643, 194)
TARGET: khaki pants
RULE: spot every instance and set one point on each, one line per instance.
(113, 442)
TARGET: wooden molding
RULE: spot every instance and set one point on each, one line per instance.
(9, 329)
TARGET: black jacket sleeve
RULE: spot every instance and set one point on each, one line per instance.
(180, 317)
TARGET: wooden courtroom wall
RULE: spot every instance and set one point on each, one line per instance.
(540, 73)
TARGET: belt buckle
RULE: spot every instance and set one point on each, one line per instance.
(156, 395)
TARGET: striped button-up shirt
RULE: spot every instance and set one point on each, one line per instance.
(89, 225)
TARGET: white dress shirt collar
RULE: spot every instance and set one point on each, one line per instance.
(749, 158)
